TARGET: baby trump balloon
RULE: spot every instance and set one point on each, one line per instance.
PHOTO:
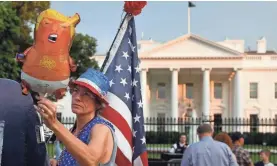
(47, 64)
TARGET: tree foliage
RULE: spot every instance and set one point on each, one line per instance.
(15, 28)
(83, 48)
(27, 13)
(9, 32)
(16, 20)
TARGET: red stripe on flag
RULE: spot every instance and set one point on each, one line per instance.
(116, 119)
(144, 158)
(121, 160)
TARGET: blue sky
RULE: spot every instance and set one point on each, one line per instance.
(163, 21)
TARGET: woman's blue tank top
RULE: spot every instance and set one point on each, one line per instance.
(66, 158)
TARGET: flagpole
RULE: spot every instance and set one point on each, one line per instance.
(188, 20)
(108, 53)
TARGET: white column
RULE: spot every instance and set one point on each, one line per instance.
(206, 94)
(144, 90)
(230, 97)
(237, 107)
(174, 92)
(193, 129)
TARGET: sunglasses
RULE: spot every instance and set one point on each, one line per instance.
(82, 92)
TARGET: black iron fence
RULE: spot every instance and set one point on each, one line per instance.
(162, 133)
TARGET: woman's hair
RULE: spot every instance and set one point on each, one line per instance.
(225, 138)
(99, 110)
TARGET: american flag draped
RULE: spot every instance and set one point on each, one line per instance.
(125, 110)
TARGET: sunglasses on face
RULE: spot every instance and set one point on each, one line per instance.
(82, 92)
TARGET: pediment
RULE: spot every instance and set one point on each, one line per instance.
(191, 46)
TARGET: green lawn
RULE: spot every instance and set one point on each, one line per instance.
(159, 145)
(51, 150)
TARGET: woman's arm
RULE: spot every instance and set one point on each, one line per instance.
(86, 155)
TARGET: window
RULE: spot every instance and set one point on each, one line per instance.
(189, 90)
(254, 123)
(218, 90)
(217, 123)
(161, 91)
(253, 90)
(275, 90)
(185, 91)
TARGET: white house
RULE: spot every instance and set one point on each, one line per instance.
(64, 106)
(217, 79)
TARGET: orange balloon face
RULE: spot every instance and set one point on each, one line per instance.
(53, 35)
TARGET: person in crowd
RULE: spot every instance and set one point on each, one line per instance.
(242, 155)
(208, 152)
(225, 138)
(92, 140)
(180, 146)
(264, 156)
(21, 140)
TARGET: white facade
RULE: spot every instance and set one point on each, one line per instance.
(211, 78)
(64, 106)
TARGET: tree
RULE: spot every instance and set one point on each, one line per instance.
(83, 47)
(15, 27)
(9, 32)
(27, 13)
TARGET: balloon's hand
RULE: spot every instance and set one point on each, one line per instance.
(20, 57)
(72, 64)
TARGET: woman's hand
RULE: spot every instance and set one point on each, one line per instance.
(53, 162)
(47, 110)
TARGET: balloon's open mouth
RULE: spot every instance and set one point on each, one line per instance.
(52, 38)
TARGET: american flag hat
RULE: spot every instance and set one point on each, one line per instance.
(96, 82)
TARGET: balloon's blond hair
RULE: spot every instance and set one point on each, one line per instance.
(53, 14)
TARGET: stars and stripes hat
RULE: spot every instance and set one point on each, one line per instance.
(96, 82)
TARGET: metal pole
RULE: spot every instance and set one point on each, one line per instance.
(108, 54)
(188, 20)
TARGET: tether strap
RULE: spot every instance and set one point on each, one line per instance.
(34, 96)
(2, 125)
